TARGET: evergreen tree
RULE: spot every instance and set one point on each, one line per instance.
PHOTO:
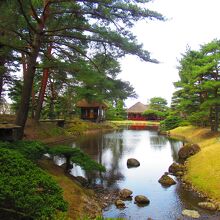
(198, 88)
(71, 27)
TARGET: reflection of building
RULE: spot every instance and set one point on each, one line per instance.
(135, 111)
(93, 111)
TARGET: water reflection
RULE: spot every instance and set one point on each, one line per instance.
(175, 146)
(155, 154)
(158, 142)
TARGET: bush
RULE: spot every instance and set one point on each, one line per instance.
(32, 150)
(27, 190)
(199, 118)
(170, 122)
(77, 156)
(155, 114)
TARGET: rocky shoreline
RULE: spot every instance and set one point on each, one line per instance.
(107, 197)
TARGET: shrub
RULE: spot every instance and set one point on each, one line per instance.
(199, 118)
(32, 150)
(77, 156)
(170, 122)
(27, 190)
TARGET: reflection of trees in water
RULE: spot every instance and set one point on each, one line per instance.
(96, 146)
(175, 146)
(114, 144)
(158, 142)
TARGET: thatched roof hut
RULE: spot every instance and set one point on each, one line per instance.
(135, 111)
(92, 110)
(137, 108)
(90, 104)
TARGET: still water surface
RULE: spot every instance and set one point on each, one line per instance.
(155, 153)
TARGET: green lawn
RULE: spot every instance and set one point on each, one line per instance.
(204, 167)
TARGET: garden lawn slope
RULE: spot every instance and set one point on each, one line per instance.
(203, 169)
(81, 201)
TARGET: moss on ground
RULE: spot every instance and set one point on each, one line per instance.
(203, 169)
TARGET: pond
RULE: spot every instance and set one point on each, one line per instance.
(155, 154)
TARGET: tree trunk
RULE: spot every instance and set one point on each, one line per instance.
(1, 86)
(216, 124)
(33, 102)
(22, 113)
(211, 120)
(24, 65)
(52, 100)
(44, 82)
(2, 73)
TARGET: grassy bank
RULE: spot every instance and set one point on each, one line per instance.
(81, 201)
(204, 167)
(48, 131)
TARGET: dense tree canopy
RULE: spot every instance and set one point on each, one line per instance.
(157, 108)
(65, 37)
(197, 97)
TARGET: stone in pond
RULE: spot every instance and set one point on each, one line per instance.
(132, 162)
(125, 193)
(119, 204)
(190, 213)
(141, 199)
(165, 180)
(176, 168)
(188, 150)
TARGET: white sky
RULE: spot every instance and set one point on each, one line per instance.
(190, 22)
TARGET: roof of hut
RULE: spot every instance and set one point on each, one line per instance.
(90, 104)
(137, 108)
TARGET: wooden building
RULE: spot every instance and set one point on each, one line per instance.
(135, 112)
(93, 110)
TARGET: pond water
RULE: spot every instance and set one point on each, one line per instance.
(155, 153)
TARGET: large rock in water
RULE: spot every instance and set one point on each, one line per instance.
(132, 162)
(190, 213)
(188, 150)
(141, 199)
(165, 180)
(119, 203)
(177, 169)
(125, 193)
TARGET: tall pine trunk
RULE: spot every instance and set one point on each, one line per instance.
(52, 100)
(2, 73)
(1, 85)
(24, 65)
(43, 87)
(216, 118)
(22, 113)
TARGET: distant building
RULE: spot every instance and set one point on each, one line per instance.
(135, 112)
(92, 110)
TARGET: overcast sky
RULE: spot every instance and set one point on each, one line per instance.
(189, 22)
